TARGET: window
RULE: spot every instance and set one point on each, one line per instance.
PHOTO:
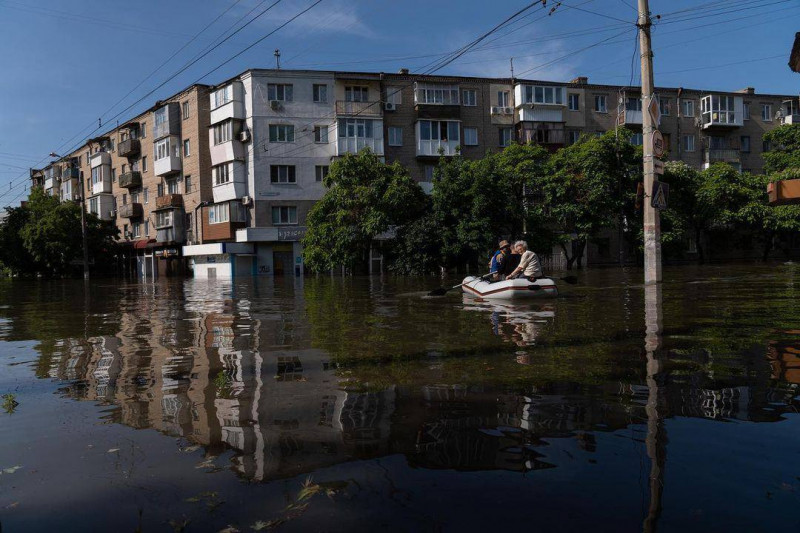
(356, 94)
(320, 134)
(97, 175)
(124, 199)
(505, 136)
(125, 231)
(766, 146)
(395, 136)
(221, 174)
(502, 98)
(147, 227)
(573, 136)
(279, 91)
(93, 205)
(124, 168)
(223, 96)
(766, 112)
(187, 184)
(356, 128)
(428, 172)
(745, 140)
(284, 214)
(113, 175)
(394, 95)
(226, 212)
(688, 143)
(135, 197)
(633, 104)
(282, 174)
(574, 102)
(185, 108)
(470, 97)
(320, 171)
(186, 149)
(439, 130)
(470, 136)
(664, 106)
(688, 108)
(160, 190)
(637, 139)
(281, 133)
(223, 132)
(746, 111)
(436, 94)
(320, 93)
(173, 187)
(160, 116)
(143, 130)
(137, 230)
(600, 103)
(163, 219)
(535, 94)
(162, 149)
(145, 196)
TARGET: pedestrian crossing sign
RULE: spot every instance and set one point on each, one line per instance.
(660, 195)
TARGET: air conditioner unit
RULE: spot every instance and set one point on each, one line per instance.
(274, 105)
(244, 136)
(389, 106)
(496, 110)
(247, 200)
(508, 110)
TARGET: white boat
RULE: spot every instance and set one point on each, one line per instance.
(510, 289)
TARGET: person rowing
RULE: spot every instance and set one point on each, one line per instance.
(529, 265)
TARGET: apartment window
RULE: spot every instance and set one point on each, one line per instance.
(664, 106)
(284, 214)
(125, 231)
(93, 205)
(189, 227)
(173, 187)
(766, 112)
(88, 155)
(219, 213)
(637, 139)
(355, 127)
(137, 230)
(97, 174)
(505, 136)
(186, 148)
(745, 141)
(688, 108)
(688, 143)
(185, 108)
(394, 95)
(436, 130)
(145, 195)
(187, 184)
(470, 136)
(281, 133)
(746, 111)
(147, 227)
(223, 132)
(320, 134)
(160, 190)
(356, 94)
(502, 98)
(573, 136)
(633, 104)
(223, 96)
(395, 136)
(320, 93)
(221, 174)
(470, 97)
(162, 149)
(143, 130)
(766, 146)
(320, 171)
(113, 175)
(282, 174)
(124, 199)
(428, 172)
(535, 94)
(600, 103)
(574, 102)
(436, 94)
(279, 91)
(163, 219)
(135, 197)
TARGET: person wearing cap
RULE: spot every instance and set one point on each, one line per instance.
(499, 259)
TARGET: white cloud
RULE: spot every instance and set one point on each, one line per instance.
(326, 18)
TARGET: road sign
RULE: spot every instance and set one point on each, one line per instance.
(658, 167)
(658, 143)
(655, 112)
(660, 194)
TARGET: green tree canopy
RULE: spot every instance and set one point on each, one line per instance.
(784, 152)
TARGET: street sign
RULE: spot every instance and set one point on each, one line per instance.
(660, 194)
(658, 143)
(655, 112)
(658, 167)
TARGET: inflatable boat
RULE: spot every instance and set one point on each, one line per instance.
(510, 289)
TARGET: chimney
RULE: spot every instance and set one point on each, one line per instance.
(580, 80)
(747, 90)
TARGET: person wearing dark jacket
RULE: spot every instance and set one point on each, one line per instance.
(497, 265)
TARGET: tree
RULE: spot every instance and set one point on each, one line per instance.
(365, 198)
(687, 216)
(784, 152)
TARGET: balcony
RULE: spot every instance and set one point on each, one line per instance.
(167, 165)
(70, 173)
(630, 117)
(719, 111)
(233, 150)
(169, 201)
(167, 121)
(361, 109)
(131, 210)
(791, 119)
(432, 147)
(129, 148)
(353, 145)
(227, 103)
(169, 225)
(129, 180)
(48, 183)
(537, 113)
(727, 155)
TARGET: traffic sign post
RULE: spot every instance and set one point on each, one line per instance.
(658, 144)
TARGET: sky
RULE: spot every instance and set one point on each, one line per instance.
(67, 63)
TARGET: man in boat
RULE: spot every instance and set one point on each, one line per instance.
(499, 259)
(529, 265)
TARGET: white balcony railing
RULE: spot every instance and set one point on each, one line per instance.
(353, 145)
(433, 146)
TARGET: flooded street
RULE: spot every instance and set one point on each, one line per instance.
(331, 404)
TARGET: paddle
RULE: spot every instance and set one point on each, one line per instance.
(441, 291)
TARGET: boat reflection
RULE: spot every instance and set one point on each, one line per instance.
(520, 324)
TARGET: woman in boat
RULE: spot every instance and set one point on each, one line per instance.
(529, 265)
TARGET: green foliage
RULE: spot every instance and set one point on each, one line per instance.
(10, 403)
(43, 237)
(365, 198)
(784, 153)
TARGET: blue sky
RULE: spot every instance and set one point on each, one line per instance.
(66, 63)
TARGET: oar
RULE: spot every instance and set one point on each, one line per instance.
(441, 291)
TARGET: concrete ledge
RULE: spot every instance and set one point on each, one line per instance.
(218, 248)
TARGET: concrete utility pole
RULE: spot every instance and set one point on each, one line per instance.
(652, 222)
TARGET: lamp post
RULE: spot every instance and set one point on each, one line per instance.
(84, 237)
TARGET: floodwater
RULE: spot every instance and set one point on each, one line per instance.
(357, 404)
